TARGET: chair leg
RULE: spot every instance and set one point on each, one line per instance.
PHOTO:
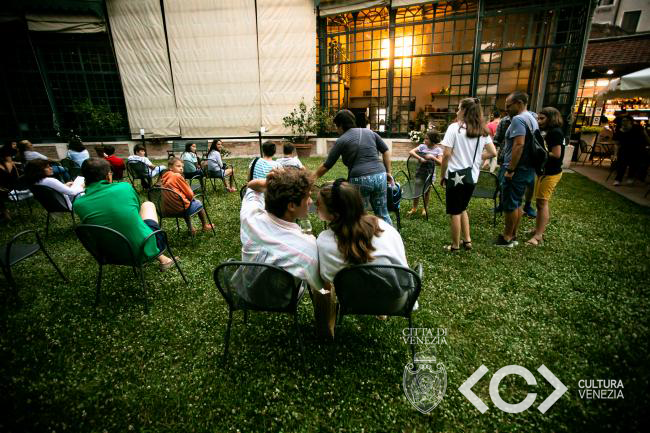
(412, 345)
(437, 193)
(10, 279)
(144, 290)
(245, 316)
(171, 253)
(227, 337)
(54, 264)
(178, 227)
(99, 285)
(207, 216)
(299, 335)
(494, 221)
(47, 225)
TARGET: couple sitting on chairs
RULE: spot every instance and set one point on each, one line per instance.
(269, 233)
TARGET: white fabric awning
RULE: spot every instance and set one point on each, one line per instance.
(141, 51)
(636, 84)
(402, 3)
(335, 7)
(287, 49)
(65, 23)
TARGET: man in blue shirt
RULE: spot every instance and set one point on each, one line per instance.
(516, 158)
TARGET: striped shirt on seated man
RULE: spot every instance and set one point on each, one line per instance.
(268, 230)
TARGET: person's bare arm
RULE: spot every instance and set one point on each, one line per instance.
(443, 165)
(556, 152)
(387, 163)
(320, 171)
(489, 151)
(258, 185)
(413, 152)
(517, 150)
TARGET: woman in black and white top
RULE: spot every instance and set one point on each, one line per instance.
(467, 142)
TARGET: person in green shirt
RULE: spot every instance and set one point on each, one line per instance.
(115, 205)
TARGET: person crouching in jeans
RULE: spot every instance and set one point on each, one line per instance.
(174, 180)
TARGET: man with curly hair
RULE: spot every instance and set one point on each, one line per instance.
(269, 232)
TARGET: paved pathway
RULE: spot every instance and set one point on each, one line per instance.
(598, 174)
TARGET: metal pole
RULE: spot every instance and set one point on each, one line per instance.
(476, 61)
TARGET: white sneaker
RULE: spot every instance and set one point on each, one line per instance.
(416, 306)
(616, 183)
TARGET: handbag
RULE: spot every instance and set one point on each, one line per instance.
(464, 175)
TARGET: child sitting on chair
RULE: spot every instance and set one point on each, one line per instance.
(139, 155)
(429, 153)
(174, 180)
(288, 158)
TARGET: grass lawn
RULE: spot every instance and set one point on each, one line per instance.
(578, 305)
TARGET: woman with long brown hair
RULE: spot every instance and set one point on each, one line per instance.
(464, 140)
(353, 237)
(550, 122)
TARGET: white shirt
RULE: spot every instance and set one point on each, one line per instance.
(67, 191)
(281, 242)
(389, 250)
(463, 150)
(30, 155)
(78, 157)
(289, 162)
(141, 159)
(214, 160)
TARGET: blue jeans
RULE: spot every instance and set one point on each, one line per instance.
(59, 170)
(373, 189)
(513, 190)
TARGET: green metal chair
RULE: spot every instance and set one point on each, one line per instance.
(110, 247)
(252, 286)
(378, 290)
(419, 180)
(14, 252)
(488, 187)
(73, 169)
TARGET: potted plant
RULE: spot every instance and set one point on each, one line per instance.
(304, 121)
(417, 137)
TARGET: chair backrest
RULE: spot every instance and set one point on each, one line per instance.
(107, 246)
(377, 289)
(188, 167)
(168, 202)
(73, 169)
(257, 286)
(487, 185)
(137, 170)
(51, 200)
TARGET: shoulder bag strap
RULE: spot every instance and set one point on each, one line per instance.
(250, 174)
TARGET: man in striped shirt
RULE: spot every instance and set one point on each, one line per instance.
(268, 230)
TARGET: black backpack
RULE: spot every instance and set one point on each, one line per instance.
(537, 152)
(393, 196)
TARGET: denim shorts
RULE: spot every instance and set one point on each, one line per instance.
(160, 240)
(195, 206)
(513, 190)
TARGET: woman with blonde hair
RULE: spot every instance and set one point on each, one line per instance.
(464, 140)
(550, 122)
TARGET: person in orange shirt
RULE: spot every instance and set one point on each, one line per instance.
(174, 180)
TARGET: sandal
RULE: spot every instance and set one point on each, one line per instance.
(535, 241)
(411, 212)
(450, 248)
(467, 245)
(208, 228)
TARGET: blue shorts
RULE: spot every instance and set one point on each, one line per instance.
(195, 206)
(513, 190)
(160, 240)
